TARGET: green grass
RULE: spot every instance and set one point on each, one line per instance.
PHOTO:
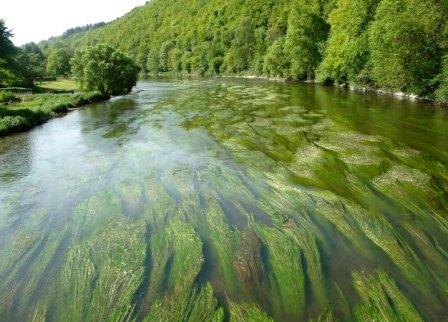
(38, 108)
(61, 84)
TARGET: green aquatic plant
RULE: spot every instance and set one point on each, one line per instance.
(131, 198)
(36, 276)
(241, 312)
(285, 272)
(94, 213)
(224, 242)
(177, 259)
(193, 304)
(227, 200)
(304, 235)
(101, 275)
(381, 300)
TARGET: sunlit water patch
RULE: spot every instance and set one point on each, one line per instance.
(217, 200)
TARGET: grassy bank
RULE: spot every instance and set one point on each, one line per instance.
(21, 113)
(59, 85)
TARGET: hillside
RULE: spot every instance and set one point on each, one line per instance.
(395, 45)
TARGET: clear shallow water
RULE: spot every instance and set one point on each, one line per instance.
(228, 199)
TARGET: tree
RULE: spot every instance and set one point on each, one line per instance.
(276, 62)
(305, 38)
(32, 63)
(7, 48)
(105, 69)
(58, 62)
(240, 53)
(404, 43)
(7, 52)
(153, 62)
(347, 54)
(30, 67)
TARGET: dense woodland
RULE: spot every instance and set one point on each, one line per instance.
(394, 45)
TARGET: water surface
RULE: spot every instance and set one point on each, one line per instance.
(228, 199)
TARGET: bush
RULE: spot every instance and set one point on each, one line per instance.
(7, 97)
(104, 69)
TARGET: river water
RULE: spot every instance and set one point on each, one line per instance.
(228, 199)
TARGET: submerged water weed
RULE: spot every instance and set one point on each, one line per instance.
(36, 275)
(191, 304)
(228, 200)
(101, 275)
(22, 241)
(93, 214)
(224, 242)
(285, 273)
(241, 312)
(381, 299)
(177, 259)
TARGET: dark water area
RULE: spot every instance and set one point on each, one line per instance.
(228, 199)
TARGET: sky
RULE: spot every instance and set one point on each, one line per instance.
(36, 20)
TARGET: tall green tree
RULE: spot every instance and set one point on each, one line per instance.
(276, 62)
(58, 62)
(404, 43)
(305, 37)
(153, 62)
(347, 53)
(105, 69)
(7, 53)
(32, 62)
(239, 55)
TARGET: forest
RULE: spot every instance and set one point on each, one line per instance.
(392, 45)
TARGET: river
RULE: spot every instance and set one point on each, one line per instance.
(228, 199)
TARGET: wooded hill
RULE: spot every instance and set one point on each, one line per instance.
(395, 45)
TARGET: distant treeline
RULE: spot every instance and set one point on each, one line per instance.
(76, 30)
(395, 45)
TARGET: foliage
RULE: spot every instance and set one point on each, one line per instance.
(35, 109)
(105, 69)
(347, 52)
(7, 97)
(388, 44)
(405, 44)
(58, 62)
(305, 37)
(442, 91)
(19, 66)
(7, 52)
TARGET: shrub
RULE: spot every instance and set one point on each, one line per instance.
(7, 97)
(104, 69)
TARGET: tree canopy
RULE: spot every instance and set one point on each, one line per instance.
(103, 68)
(396, 45)
(58, 62)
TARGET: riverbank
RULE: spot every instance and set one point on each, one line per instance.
(25, 112)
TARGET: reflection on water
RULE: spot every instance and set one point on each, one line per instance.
(228, 199)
